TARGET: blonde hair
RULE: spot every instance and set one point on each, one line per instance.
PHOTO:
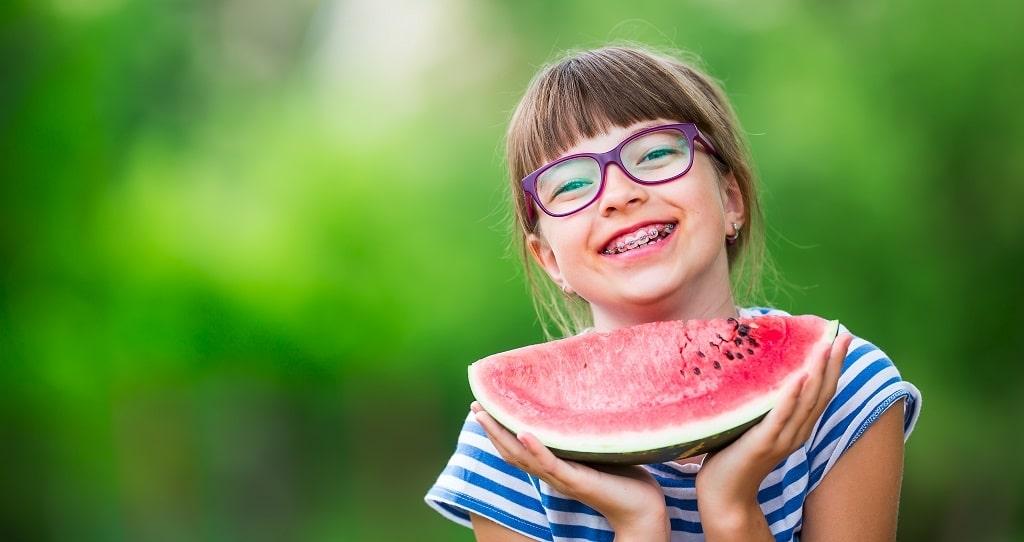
(587, 92)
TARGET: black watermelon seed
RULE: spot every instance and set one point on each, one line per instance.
(682, 372)
(718, 365)
(713, 343)
(699, 353)
(732, 320)
(743, 330)
(750, 351)
(738, 341)
(751, 341)
(739, 356)
(729, 355)
(696, 370)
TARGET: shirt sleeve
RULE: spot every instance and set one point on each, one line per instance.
(868, 385)
(477, 480)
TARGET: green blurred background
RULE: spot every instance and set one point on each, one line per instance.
(247, 248)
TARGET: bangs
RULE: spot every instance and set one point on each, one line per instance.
(587, 95)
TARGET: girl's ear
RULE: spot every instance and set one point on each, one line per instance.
(732, 198)
(545, 257)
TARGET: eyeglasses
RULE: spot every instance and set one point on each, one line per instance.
(652, 156)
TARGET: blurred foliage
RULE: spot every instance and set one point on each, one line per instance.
(249, 247)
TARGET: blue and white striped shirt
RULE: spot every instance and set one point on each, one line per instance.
(478, 480)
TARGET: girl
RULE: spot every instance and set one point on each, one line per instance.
(634, 194)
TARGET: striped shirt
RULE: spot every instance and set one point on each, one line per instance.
(478, 480)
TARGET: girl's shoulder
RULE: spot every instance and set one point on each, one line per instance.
(752, 312)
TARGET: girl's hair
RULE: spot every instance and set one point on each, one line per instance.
(584, 94)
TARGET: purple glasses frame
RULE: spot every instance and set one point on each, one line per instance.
(688, 129)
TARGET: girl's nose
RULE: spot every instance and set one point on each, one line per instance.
(619, 191)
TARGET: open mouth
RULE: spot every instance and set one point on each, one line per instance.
(644, 236)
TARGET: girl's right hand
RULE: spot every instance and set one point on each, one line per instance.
(627, 496)
(729, 480)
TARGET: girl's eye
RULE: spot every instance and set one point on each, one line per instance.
(569, 180)
(657, 154)
(570, 186)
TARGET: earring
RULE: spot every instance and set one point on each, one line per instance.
(731, 239)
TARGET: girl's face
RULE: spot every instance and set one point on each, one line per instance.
(682, 274)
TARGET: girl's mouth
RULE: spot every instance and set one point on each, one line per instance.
(646, 235)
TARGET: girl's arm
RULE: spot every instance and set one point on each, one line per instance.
(858, 499)
(486, 530)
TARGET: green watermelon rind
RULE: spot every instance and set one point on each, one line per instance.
(648, 447)
(662, 455)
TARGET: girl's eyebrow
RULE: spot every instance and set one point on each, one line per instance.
(645, 125)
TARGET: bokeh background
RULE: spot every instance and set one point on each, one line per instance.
(248, 247)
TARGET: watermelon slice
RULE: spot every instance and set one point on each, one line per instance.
(649, 393)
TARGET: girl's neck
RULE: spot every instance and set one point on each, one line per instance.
(724, 307)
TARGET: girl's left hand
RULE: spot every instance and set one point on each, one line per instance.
(729, 479)
(628, 497)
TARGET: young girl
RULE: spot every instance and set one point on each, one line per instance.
(633, 192)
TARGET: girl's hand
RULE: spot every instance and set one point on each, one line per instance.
(627, 496)
(729, 479)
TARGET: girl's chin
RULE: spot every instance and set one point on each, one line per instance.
(640, 299)
(662, 292)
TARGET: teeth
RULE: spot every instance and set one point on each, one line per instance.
(640, 238)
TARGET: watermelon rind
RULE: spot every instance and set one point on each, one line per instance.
(647, 447)
(661, 455)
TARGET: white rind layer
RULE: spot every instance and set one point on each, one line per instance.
(638, 441)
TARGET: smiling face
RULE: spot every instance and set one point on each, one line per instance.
(645, 252)
(588, 102)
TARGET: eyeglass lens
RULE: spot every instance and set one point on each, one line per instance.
(570, 185)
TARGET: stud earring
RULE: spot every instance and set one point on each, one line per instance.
(731, 239)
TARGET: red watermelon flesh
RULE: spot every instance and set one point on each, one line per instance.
(649, 393)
